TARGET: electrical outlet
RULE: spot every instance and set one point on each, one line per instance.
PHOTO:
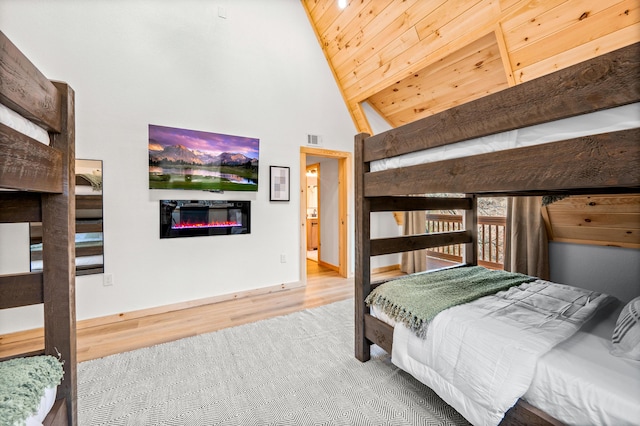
(107, 280)
(283, 258)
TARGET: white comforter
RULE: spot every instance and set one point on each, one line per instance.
(480, 357)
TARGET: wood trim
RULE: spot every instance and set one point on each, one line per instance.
(572, 91)
(329, 266)
(344, 174)
(26, 90)
(547, 223)
(631, 245)
(594, 163)
(504, 55)
(126, 316)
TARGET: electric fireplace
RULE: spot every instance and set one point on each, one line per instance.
(192, 218)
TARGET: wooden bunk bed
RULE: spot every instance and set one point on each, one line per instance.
(594, 164)
(38, 186)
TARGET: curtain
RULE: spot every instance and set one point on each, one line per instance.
(526, 244)
(414, 261)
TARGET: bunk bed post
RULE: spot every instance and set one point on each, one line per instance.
(470, 224)
(363, 250)
(59, 269)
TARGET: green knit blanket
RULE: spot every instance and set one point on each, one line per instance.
(416, 299)
(22, 385)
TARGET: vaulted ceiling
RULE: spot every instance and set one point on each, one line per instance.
(411, 58)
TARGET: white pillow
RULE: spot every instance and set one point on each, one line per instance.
(626, 334)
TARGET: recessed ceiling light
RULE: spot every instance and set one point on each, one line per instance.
(342, 4)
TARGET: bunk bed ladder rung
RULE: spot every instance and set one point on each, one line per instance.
(406, 243)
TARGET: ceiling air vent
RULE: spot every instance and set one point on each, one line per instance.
(314, 140)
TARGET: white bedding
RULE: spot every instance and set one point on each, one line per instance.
(20, 124)
(46, 403)
(579, 382)
(476, 359)
(614, 119)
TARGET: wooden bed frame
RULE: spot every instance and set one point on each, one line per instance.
(43, 182)
(598, 164)
(83, 202)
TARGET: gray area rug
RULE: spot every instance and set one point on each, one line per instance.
(297, 369)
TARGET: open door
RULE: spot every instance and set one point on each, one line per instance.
(342, 182)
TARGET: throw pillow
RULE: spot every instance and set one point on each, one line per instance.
(626, 335)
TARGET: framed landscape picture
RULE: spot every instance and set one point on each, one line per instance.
(204, 161)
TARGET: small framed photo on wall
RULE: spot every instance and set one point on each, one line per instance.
(279, 183)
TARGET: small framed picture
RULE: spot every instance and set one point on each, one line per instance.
(279, 180)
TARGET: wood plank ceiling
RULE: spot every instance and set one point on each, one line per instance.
(412, 58)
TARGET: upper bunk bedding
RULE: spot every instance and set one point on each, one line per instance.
(610, 120)
(20, 124)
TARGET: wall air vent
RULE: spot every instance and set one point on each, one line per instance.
(314, 140)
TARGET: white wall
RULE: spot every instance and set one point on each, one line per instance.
(259, 72)
(612, 270)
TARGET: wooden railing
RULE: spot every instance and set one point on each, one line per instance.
(491, 236)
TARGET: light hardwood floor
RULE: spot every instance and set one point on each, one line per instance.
(324, 286)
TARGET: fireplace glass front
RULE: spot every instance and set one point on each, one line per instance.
(192, 218)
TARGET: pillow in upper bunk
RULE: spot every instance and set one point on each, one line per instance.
(626, 335)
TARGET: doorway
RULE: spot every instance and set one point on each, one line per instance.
(326, 227)
(313, 212)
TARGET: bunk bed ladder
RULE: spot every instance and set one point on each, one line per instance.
(369, 329)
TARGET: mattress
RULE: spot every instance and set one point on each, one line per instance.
(609, 120)
(578, 382)
(20, 124)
